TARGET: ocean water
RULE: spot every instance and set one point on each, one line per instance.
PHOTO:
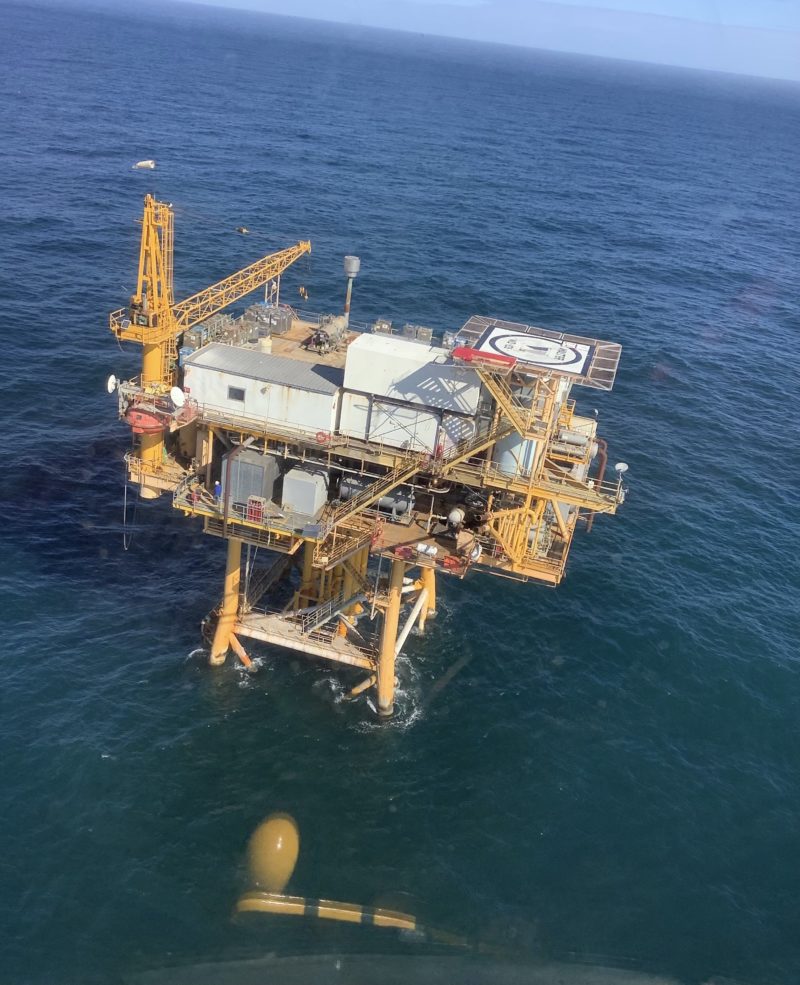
(607, 771)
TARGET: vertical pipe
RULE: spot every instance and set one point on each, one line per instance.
(347, 300)
(308, 565)
(152, 446)
(210, 461)
(230, 604)
(391, 619)
(602, 454)
(347, 586)
(337, 576)
(306, 593)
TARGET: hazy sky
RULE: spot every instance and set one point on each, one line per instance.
(754, 37)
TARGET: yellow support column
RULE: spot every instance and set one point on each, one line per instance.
(391, 619)
(152, 446)
(347, 586)
(361, 561)
(230, 604)
(428, 578)
(306, 592)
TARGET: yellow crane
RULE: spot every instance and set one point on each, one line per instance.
(155, 321)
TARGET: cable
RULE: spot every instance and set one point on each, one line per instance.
(127, 540)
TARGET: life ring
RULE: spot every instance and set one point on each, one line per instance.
(323, 437)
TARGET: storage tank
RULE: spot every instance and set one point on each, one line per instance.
(399, 502)
(515, 456)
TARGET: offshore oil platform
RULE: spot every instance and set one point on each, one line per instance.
(354, 466)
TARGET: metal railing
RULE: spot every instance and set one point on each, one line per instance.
(597, 497)
(192, 496)
(168, 471)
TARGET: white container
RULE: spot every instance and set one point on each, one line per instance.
(304, 492)
(354, 415)
(405, 427)
(410, 372)
(236, 383)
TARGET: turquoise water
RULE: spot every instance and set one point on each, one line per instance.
(613, 769)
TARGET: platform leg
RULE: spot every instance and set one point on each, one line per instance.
(307, 591)
(152, 445)
(391, 620)
(348, 588)
(230, 604)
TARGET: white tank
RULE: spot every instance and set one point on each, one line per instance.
(515, 456)
(352, 265)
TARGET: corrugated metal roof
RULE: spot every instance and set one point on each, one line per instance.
(263, 366)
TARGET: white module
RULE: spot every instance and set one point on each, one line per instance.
(409, 372)
(354, 416)
(304, 492)
(235, 383)
(405, 427)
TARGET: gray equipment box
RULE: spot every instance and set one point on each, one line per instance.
(304, 492)
(251, 474)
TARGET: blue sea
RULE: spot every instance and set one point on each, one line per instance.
(604, 772)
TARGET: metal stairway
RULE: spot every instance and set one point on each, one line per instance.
(522, 416)
(314, 618)
(345, 514)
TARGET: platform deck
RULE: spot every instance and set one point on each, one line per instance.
(274, 628)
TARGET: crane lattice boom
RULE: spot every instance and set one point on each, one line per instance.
(154, 320)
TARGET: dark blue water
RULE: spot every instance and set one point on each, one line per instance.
(614, 770)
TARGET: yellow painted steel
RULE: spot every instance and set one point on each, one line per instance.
(230, 603)
(307, 583)
(323, 909)
(428, 578)
(362, 686)
(527, 536)
(153, 316)
(391, 620)
(347, 584)
(155, 321)
(212, 299)
(240, 651)
(272, 853)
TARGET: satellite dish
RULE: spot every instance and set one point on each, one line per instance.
(112, 383)
(621, 468)
(177, 396)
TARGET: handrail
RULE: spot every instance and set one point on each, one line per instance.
(595, 496)
(394, 477)
(287, 523)
(472, 445)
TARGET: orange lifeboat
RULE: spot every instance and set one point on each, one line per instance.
(145, 421)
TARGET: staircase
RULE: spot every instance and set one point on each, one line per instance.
(472, 446)
(522, 416)
(345, 514)
(603, 497)
(325, 611)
